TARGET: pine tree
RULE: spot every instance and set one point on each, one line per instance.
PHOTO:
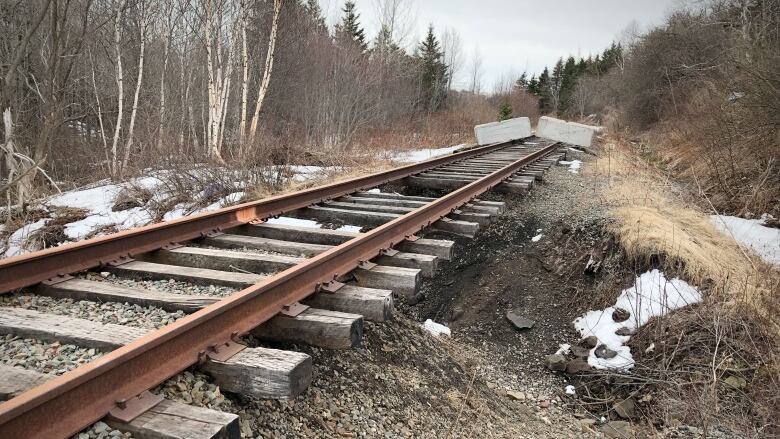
(533, 86)
(544, 91)
(568, 81)
(433, 77)
(522, 81)
(384, 44)
(349, 32)
(314, 12)
(505, 112)
(555, 86)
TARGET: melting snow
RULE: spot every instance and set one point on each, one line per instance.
(16, 242)
(574, 165)
(436, 329)
(297, 222)
(651, 296)
(424, 154)
(537, 238)
(764, 241)
(570, 390)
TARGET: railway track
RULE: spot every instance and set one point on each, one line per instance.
(213, 278)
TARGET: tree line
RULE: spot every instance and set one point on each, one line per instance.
(104, 88)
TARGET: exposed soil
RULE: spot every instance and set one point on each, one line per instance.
(489, 379)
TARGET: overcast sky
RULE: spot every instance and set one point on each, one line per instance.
(518, 35)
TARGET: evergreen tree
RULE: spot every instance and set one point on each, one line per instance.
(505, 112)
(533, 86)
(314, 12)
(433, 72)
(522, 82)
(349, 32)
(568, 81)
(384, 44)
(555, 86)
(544, 91)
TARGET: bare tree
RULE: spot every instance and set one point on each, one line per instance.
(269, 65)
(143, 23)
(452, 46)
(475, 72)
(17, 176)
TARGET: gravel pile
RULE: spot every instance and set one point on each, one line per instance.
(165, 285)
(109, 312)
(401, 383)
(44, 357)
(192, 388)
(100, 430)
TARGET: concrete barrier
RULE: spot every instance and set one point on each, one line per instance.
(567, 132)
(511, 129)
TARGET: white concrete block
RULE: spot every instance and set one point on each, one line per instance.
(567, 132)
(511, 129)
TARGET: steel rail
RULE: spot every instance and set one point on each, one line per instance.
(30, 269)
(71, 402)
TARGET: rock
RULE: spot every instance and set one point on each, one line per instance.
(620, 315)
(519, 321)
(589, 342)
(576, 366)
(580, 352)
(544, 403)
(517, 396)
(604, 352)
(735, 382)
(626, 408)
(618, 430)
(456, 314)
(624, 332)
(586, 425)
(556, 362)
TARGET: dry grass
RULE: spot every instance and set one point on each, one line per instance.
(717, 363)
(656, 220)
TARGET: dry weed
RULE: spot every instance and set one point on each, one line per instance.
(654, 219)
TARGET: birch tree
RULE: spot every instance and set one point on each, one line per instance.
(138, 83)
(269, 65)
(120, 97)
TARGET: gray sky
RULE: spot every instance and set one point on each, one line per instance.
(517, 35)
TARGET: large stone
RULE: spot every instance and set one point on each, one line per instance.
(519, 321)
(620, 315)
(604, 352)
(589, 342)
(511, 129)
(567, 132)
(626, 408)
(618, 429)
(556, 362)
(577, 366)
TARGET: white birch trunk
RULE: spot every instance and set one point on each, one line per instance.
(139, 82)
(269, 65)
(120, 88)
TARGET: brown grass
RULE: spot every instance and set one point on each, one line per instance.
(656, 219)
(717, 363)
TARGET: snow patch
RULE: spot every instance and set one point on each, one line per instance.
(297, 222)
(574, 165)
(374, 191)
(424, 154)
(436, 329)
(764, 241)
(651, 296)
(563, 349)
(16, 242)
(570, 390)
(537, 238)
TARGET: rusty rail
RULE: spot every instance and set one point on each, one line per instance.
(71, 402)
(30, 269)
